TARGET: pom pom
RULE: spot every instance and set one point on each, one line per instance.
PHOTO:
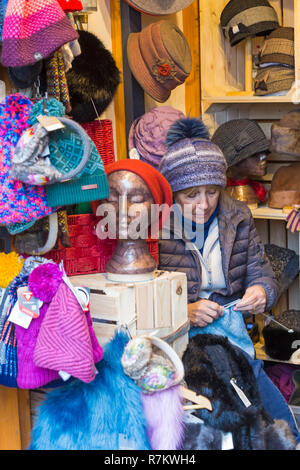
(10, 267)
(44, 281)
(186, 128)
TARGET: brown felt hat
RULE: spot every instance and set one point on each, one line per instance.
(159, 58)
(285, 187)
(159, 7)
(285, 135)
(278, 47)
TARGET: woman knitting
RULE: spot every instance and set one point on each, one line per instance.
(212, 238)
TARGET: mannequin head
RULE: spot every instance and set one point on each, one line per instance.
(254, 166)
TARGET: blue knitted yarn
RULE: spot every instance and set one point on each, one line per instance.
(230, 325)
(3, 6)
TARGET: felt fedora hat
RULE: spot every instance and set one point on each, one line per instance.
(159, 58)
(159, 7)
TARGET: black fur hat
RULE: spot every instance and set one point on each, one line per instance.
(211, 364)
(93, 78)
(279, 342)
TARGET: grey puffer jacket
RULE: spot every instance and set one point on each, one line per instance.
(243, 257)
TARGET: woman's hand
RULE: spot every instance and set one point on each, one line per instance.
(203, 312)
(254, 300)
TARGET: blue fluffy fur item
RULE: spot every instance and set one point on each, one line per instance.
(101, 415)
(186, 128)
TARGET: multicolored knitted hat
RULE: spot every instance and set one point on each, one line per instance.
(19, 202)
(33, 30)
(192, 159)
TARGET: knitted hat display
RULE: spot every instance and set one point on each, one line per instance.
(30, 375)
(241, 19)
(273, 79)
(279, 342)
(159, 58)
(285, 187)
(93, 79)
(33, 30)
(148, 133)
(159, 7)
(278, 47)
(192, 159)
(239, 139)
(285, 135)
(71, 149)
(64, 342)
(158, 185)
(19, 202)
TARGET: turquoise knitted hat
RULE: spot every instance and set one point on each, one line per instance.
(68, 149)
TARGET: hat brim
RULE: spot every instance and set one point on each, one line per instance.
(159, 7)
(141, 73)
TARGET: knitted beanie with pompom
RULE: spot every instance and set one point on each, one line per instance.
(192, 159)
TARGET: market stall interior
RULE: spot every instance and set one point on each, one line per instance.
(114, 116)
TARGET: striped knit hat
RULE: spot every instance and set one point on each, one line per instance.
(192, 159)
(278, 47)
(241, 19)
(33, 30)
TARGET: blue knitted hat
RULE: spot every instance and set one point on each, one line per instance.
(192, 159)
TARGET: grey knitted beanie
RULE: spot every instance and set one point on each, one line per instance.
(240, 139)
(192, 159)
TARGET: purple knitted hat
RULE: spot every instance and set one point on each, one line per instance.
(192, 159)
(148, 133)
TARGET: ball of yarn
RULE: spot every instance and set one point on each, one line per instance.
(10, 266)
(44, 281)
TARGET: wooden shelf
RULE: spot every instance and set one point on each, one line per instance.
(264, 212)
(248, 99)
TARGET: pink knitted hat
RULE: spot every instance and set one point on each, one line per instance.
(159, 58)
(33, 30)
(64, 341)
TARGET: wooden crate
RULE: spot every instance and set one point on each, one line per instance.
(159, 306)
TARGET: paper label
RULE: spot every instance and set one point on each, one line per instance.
(64, 375)
(19, 318)
(50, 123)
(235, 29)
(28, 304)
(134, 154)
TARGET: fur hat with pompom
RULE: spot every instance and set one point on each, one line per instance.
(192, 159)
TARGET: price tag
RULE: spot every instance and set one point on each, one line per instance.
(50, 123)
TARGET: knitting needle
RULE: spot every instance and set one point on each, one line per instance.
(290, 330)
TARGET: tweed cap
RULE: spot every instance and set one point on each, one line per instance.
(246, 18)
(273, 79)
(278, 47)
(159, 58)
(239, 139)
(192, 159)
(159, 7)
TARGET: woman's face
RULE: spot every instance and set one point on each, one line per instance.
(200, 204)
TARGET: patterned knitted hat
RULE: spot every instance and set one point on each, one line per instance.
(159, 58)
(239, 139)
(278, 47)
(241, 19)
(19, 202)
(33, 30)
(3, 6)
(64, 342)
(159, 7)
(192, 159)
(273, 79)
(148, 133)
